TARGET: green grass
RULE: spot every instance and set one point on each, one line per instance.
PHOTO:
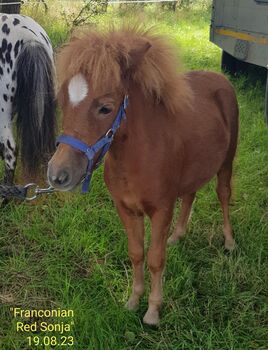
(70, 251)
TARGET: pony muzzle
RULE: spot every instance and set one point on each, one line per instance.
(66, 169)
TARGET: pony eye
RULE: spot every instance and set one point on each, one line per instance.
(105, 110)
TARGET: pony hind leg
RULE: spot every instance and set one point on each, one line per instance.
(224, 195)
(180, 229)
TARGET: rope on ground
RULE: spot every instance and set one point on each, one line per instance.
(19, 192)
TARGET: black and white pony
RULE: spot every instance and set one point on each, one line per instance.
(27, 92)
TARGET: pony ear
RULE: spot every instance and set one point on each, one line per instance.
(137, 54)
(131, 60)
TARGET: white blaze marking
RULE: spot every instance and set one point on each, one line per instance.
(77, 89)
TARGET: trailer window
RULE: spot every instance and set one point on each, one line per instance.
(262, 1)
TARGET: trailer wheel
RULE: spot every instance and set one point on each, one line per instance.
(232, 65)
(228, 63)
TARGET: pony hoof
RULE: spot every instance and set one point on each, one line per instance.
(151, 318)
(177, 234)
(132, 304)
(229, 244)
(172, 240)
(175, 237)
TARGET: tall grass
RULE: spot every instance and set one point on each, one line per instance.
(70, 251)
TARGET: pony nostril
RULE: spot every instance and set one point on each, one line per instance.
(61, 179)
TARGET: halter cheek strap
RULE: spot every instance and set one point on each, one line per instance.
(103, 144)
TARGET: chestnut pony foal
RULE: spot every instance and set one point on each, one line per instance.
(180, 130)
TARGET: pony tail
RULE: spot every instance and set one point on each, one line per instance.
(35, 105)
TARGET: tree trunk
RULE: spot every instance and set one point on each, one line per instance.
(9, 8)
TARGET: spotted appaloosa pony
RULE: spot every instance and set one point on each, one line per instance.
(180, 131)
(26, 90)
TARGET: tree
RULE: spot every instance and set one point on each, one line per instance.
(86, 15)
(13, 8)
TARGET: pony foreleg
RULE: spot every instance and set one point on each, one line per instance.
(9, 176)
(186, 206)
(134, 225)
(156, 262)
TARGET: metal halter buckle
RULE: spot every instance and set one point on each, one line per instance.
(36, 191)
(109, 133)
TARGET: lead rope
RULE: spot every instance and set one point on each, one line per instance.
(29, 192)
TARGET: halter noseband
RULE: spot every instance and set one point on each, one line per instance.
(102, 144)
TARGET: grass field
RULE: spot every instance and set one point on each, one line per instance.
(70, 251)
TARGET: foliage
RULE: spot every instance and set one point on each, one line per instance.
(87, 13)
(186, 4)
(192, 3)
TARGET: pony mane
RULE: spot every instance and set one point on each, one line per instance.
(99, 55)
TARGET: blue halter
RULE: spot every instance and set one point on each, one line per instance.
(102, 144)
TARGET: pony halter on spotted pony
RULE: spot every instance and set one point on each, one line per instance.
(103, 144)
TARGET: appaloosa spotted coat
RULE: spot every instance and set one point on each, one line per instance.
(26, 89)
